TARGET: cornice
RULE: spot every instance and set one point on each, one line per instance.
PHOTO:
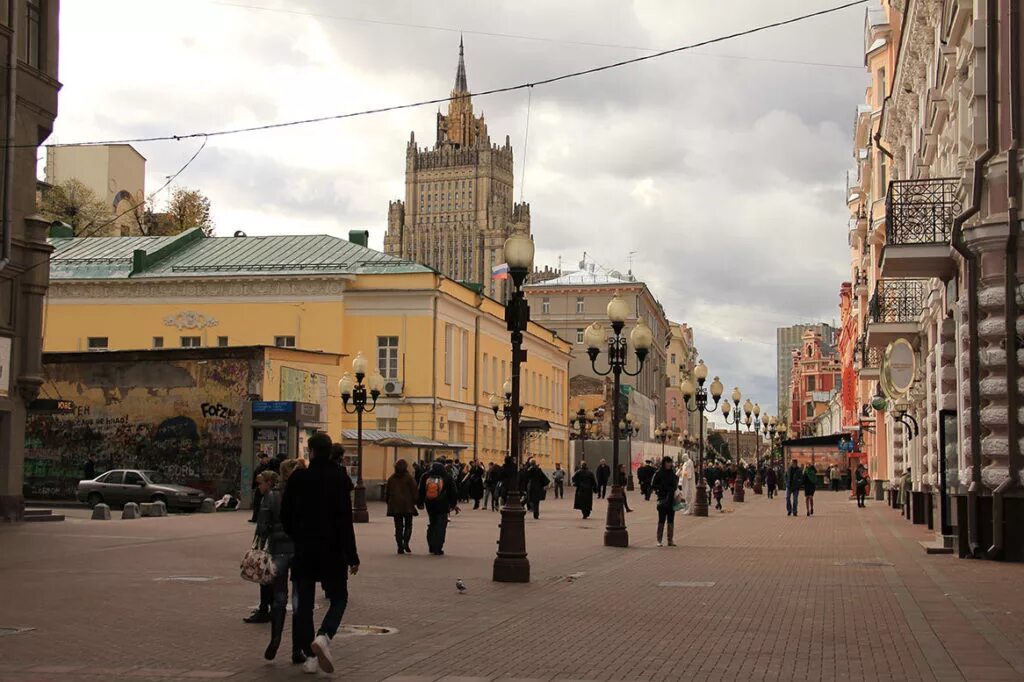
(195, 288)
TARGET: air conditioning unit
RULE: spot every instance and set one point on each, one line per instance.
(393, 387)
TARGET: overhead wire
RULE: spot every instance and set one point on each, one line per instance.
(484, 93)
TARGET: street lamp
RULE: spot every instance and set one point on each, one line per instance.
(511, 564)
(355, 391)
(580, 428)
(504, 406)
(629, 427)
(737, 490)
(662, 434)
(615, 534)
(700, 396)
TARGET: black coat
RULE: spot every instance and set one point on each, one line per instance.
(316, 512)
(586, 487)
(604, 472)
(89, 472)
(665, 483)
(536, 481)
(476, 482)
(645, 473)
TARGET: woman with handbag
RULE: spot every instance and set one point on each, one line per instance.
(401, 493)
(281, 549)
(664, 484)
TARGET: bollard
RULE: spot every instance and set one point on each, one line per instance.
(153, 509)
(101, 512)
(131, 511)
(207, 506)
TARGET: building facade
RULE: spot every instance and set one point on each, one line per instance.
(442, 347)
(458, 208)
(682, 358)
(116, 173)
(30, 46)
(935, 255)
(787, 340)
(814, 379)
(569, 304)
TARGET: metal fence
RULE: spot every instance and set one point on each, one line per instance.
(897, 300)
(921, 211)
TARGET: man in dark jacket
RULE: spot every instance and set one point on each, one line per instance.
(536, 482)
(794, 481)
(603, 473)
(586, 486)
(439, 496)
(316, 512)
(89, 471)
(645, 474)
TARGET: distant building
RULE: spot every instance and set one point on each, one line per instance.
(814, 381)
(788, 339)
(682, 358)
(116, 173)
(458, 208)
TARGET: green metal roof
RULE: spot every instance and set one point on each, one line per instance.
(190, 254)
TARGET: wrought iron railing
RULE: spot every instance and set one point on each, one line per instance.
(869, 358)
(921, 211)
(897, 300)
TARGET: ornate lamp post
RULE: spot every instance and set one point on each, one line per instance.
(737, 491)
(615, 534)
(502, 408)
(579, 428)
(629, 427)
(355, 391)
(700, 396)
(663, 434)
(511, 564)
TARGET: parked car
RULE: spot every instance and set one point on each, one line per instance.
(119, 486)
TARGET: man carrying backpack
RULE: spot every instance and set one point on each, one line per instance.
(439, 496)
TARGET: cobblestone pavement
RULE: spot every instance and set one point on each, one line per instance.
(747, 594)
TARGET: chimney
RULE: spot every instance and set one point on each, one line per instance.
(359, 237)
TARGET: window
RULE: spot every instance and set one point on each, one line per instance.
(114, 477)
(810, 410)
(881, 85)
(34, 39)
(387, 356)
(133, 478)
(495, 386)
(673, 358)
(158, 342)
(98, 343)
(222, 342)
(545, 306)
(486, 375)
(387, 424)
(810, 383)
(449, 332)
(191, 342)
(579, 304)
(284, 341)
(464, 356)
(579, 336)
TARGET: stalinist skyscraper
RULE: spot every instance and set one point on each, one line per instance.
(458, 208)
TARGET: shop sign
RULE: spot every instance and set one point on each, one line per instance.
(899, 368)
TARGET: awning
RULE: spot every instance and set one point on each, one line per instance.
(392, 439)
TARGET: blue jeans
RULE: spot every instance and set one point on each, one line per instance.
(302, 620)
(792, 500)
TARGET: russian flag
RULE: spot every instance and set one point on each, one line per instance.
(499, 271)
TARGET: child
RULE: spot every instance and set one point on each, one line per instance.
(717, 492)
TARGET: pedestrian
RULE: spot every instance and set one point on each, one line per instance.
(862, 485)
(281, 548)
(257, 497)
(717, 491)
(475, 488)
(437, 494)
(810, 484)
(558, 476)
(664, 484)
(906, 484)
(644, 475)
(621, 478)
(89, 470)
(491, 487)
(316, 512)
(417, 470)
(536, 486)
(586, 485)
(603, 473)
(400, 494)
(770, 481)
(794, 481)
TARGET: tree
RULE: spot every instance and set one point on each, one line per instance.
(720, 446)
(72, 202)
(189, 208)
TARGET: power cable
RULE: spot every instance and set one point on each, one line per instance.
(526, 141)
(492, 91)
(520, 36)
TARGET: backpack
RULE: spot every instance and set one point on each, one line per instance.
(434, 487)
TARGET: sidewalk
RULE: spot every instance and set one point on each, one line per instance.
(747, 594)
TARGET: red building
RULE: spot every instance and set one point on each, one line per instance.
(814, 380)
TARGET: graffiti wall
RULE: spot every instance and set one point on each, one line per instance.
(181, 417)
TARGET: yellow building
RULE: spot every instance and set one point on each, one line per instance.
(441, 346)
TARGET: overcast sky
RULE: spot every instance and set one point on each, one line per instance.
(723, 171)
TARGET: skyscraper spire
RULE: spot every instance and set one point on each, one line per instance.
(460, 74)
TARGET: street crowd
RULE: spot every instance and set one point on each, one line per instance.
(305, 533)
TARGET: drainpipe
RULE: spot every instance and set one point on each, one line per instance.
(476, 377)
(974, 279)
(10, 132)
(1010, 304)
(433, 367)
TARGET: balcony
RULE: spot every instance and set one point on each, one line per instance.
(918, 226)
(894, 311)
(868, 359)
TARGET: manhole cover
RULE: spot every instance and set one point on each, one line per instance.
(685, 583)
(864, 562)
(13, 631)
(186, 578)
(361, 630)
